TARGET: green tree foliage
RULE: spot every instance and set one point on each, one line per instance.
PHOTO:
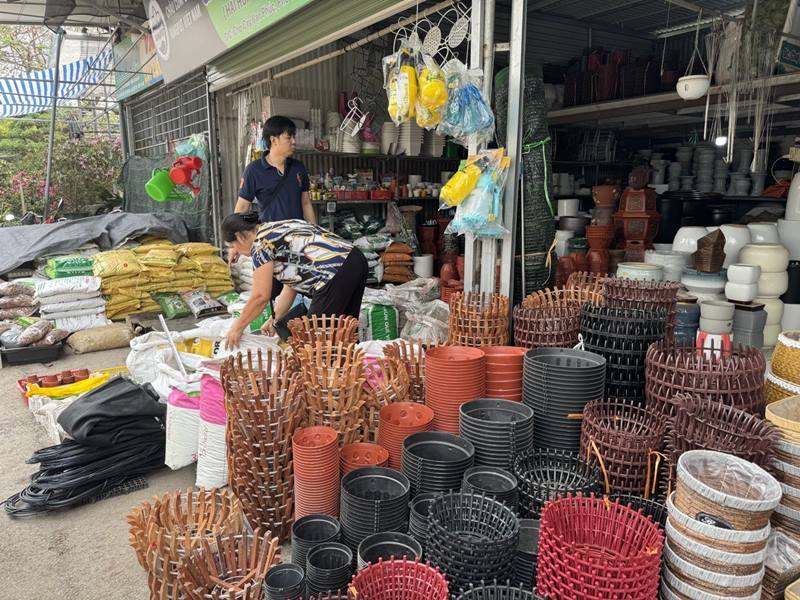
(24, 48)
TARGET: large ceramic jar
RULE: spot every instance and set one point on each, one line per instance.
(686, 239)
(774, 308)
(789, 232)
(736, 238)
(640, 271)
(764, 233)
(772, 258)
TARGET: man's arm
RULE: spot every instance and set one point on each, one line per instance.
(242, 205)
(309, 214)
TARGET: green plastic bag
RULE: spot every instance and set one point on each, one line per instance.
(68, 266)
(172, 305)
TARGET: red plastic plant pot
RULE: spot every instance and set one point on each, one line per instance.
(399, 580)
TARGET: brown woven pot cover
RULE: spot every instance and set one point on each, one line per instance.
(265, 403)
(323, 328)
(478, 320)
(733, 377)
(547, 326)
(412, 354)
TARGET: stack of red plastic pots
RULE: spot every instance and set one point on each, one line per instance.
(504, 372)
(453, 375)
(397, 422)
(316, 471)
(361, 454)
(592, 548)
(400, 580)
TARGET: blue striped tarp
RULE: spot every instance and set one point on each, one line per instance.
(33, 92)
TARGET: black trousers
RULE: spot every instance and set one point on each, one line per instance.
(342, 294)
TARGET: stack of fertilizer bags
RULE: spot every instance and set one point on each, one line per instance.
(70, 265)
(242, 271)
(118, 271)
(72, 303)
(17, 300)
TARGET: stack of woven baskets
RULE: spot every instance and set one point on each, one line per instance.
(478, 320)
(781, 566)
(387, 382)
(622, 336)
(785, 415)
(718, 527)
(624, 439)
(550, 318)
(412, 355)
(322, 328)
(263, 400)
(783, 378)
(732, 377)
(644, 295)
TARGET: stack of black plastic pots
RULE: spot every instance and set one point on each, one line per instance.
(329, 568)
(527, 551)
(285, 582)
(649, 507)
(373, 500)
(386, 545)
(311, 531)
(499, 430)
(557, 384)
(497, 591)
(472, 538)
(435, 461)
(496, 483)
(622, 336)
(547, 474)
(418, 516)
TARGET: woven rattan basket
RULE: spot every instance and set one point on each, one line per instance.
(590, 284)
(713, 559)
(785, 414)
(546, 326)
(786, 357)
(478, 320)
(725, 489)
(323, 328)
(711, 582)
(776, 389)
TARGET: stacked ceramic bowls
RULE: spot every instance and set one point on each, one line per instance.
(358, 455)
(497, 429)
(285, 582)
(557, 384)
(749, 321)
(453, 375)
(547, 474)
(718, 527)
(671, 261)
(436, 461)
(310, 531)
(742, 283)
(472, 538)
(316, 471)
(592, 548)
(418, 516)
(397, 422)
(527, 552)
(622, 336)
(374, 500)
(329, 568)
(387, 545)
(493, 482)
(716, 317)
(504, 372)
(772, 283)
(399, 580)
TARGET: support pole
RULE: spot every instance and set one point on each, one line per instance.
(51, 139)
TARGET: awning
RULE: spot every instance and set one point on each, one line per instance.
(55, 13)
(33, 92)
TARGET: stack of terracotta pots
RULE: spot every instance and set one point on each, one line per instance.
(397, 422)
(323, 328)
(504, 372)
(316, 471)
(599, 238)
(164, 532)
(453, 375)
(478, 320)
(334, 378)
(358, 455)
(387, 382)
(263, 401)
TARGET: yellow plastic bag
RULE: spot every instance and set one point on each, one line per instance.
(196, 249)
(160, 257)
(432, 89)
(116, 263)
(72, 389)
(201, 346)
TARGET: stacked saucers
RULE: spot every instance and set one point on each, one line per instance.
(410, 139)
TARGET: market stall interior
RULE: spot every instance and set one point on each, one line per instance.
(575, 373)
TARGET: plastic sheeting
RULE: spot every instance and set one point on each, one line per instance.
(28, 242)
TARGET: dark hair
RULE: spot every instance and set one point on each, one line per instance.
(238, 223)
(276, 127)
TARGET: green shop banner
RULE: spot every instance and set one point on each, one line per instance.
(189, 33)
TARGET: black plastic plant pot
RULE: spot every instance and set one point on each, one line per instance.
(375, 484)
(386, 545)
(310, 531)
(285, 582)
(329, 568)
(497, 592)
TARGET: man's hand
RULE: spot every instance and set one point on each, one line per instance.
(268, 328)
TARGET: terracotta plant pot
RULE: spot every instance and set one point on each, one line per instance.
(605, 195)
(598, 260)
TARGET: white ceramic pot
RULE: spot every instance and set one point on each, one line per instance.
(774, 308)
(716, 326)
(709, 285)
(719, 310)
(741, 292)
(423, 265)
(793, 201)
(771, 333)
(568, 207)
(673, 262)
(764, 233)
(791, 317)
(692, 87)
(640, 271)
(773, 258)
(741, 273)
(772, 285)
(685, 239)
(736, 238)
(789, 233)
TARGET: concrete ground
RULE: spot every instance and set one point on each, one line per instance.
(80, 553)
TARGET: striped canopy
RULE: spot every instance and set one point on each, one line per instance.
(33, 92)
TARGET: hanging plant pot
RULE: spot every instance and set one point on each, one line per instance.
(693, 87)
